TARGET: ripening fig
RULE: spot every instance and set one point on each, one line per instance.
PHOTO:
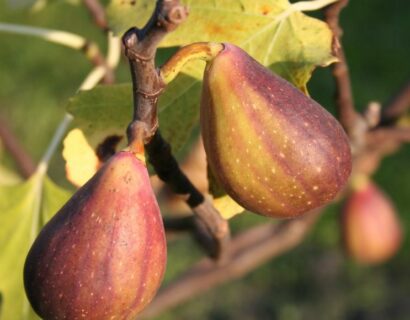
(371, 229)
(273, 149)
(103, 255)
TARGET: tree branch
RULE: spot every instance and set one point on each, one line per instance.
(97, 12)
(380, 142)
(23, 160)
(140, 48)
(344, 98)
(178, 224)
(396, 106)
(388, 135)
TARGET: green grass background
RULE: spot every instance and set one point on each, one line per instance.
(314, 281)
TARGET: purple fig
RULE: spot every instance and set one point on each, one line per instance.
(273, 149)
(103, 255)
(371, 229)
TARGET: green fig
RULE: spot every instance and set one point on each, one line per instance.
(371, 229)
(274, 150)
(103, 255)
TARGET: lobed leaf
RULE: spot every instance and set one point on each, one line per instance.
(227, 207)
(289, 42)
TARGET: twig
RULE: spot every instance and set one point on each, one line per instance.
(346, 111)
(380, 143)
(178, 224)
(388, 135)
(396, 106)
(97, 12)
(22, 158)
(247, 251)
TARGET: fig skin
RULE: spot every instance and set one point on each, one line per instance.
(274, 150)
(103, 255)
(371, 230)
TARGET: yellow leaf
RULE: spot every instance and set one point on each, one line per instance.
(81, 160)
(227, 207)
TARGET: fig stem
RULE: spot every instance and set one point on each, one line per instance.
(195, 51)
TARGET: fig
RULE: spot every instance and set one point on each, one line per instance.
(371, 229)
(103, 255)
(274, 150)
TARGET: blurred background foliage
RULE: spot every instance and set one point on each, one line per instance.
(314, 281)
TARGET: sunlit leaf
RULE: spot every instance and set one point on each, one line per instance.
(291, 43)
(24, 208)
(80, 157)
(227, 207)
(8, 177)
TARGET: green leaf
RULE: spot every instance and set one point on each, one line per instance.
(179, 111)
(24, 209)
(291, 43)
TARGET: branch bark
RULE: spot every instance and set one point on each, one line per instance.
(396, 106)
(140, 48)
(97, 12)
(23, 160)
(347, 114)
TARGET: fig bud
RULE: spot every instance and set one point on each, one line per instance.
(273, 149)
(103, 255)
(371, 229)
